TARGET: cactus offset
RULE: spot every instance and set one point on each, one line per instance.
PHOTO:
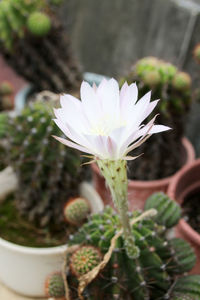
(153, 275)
(84, 259)
(47, 179)
(76, 210)
(174, 89)
(54, 286)
(39, 24)
(30, 34)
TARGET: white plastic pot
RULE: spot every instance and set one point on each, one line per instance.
(25, 269)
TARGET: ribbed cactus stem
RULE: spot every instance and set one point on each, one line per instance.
(115, 173)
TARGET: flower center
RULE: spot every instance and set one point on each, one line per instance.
(106, 124)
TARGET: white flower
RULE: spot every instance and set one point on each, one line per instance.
(107, 122)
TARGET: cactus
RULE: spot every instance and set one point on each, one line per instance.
(54, 286)
(39, 24)
(84, 259)
(6, 95)
(76, 210)
(47, 179)
(153, 275)
(173, 87)
(31, 35)
(168, 211)
(187, 287)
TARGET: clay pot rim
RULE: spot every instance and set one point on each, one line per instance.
(192, 234)
(158, 183)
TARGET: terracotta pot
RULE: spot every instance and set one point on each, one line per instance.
(187, 181)
(139, 191)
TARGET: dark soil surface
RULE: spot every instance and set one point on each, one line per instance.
(191, 210)
(18, 230)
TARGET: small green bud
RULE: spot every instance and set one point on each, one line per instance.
(39, 24)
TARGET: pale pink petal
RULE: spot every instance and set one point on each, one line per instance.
(67, 100)
(108, 95)
(159, 128)
(72, 145)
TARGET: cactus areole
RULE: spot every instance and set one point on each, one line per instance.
(108, 125)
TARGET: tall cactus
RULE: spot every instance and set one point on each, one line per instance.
(153, 275)
(47, 179)
(173, 87)
(34, 43)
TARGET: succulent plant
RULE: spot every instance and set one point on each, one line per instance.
(31, 35)
(54, 286)
(6, 95)
(84, 259)
(173, 87)
(76, 210)
(47, 179)
(154, 275)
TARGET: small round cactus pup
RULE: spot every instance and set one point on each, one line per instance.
(84, 259)
(76, 210)
(39, 24)
(54, 286)
(152, 78)
(196, 53)
(182, 81)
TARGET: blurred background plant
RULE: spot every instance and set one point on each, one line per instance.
(36, 46)
(48, 174)
(193, 123)
(173, 87)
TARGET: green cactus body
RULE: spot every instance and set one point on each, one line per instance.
(39, 24)
(54, 286)
(189, 286)
(169, 212)
(47, 179)
(84, 259)
(153, 275)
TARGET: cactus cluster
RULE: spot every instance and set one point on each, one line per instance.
(173, 87)
(47, 179)
(155, 274)
(6, 95)
(31, 35)
(76, 210)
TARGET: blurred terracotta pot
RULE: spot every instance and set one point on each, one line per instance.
(185, 183)
(139, 191)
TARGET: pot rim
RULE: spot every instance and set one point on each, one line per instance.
(191, 233)
(158, 182)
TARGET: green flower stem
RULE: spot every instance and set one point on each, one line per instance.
(115, 173)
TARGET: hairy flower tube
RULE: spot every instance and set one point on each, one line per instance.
(107, 124)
